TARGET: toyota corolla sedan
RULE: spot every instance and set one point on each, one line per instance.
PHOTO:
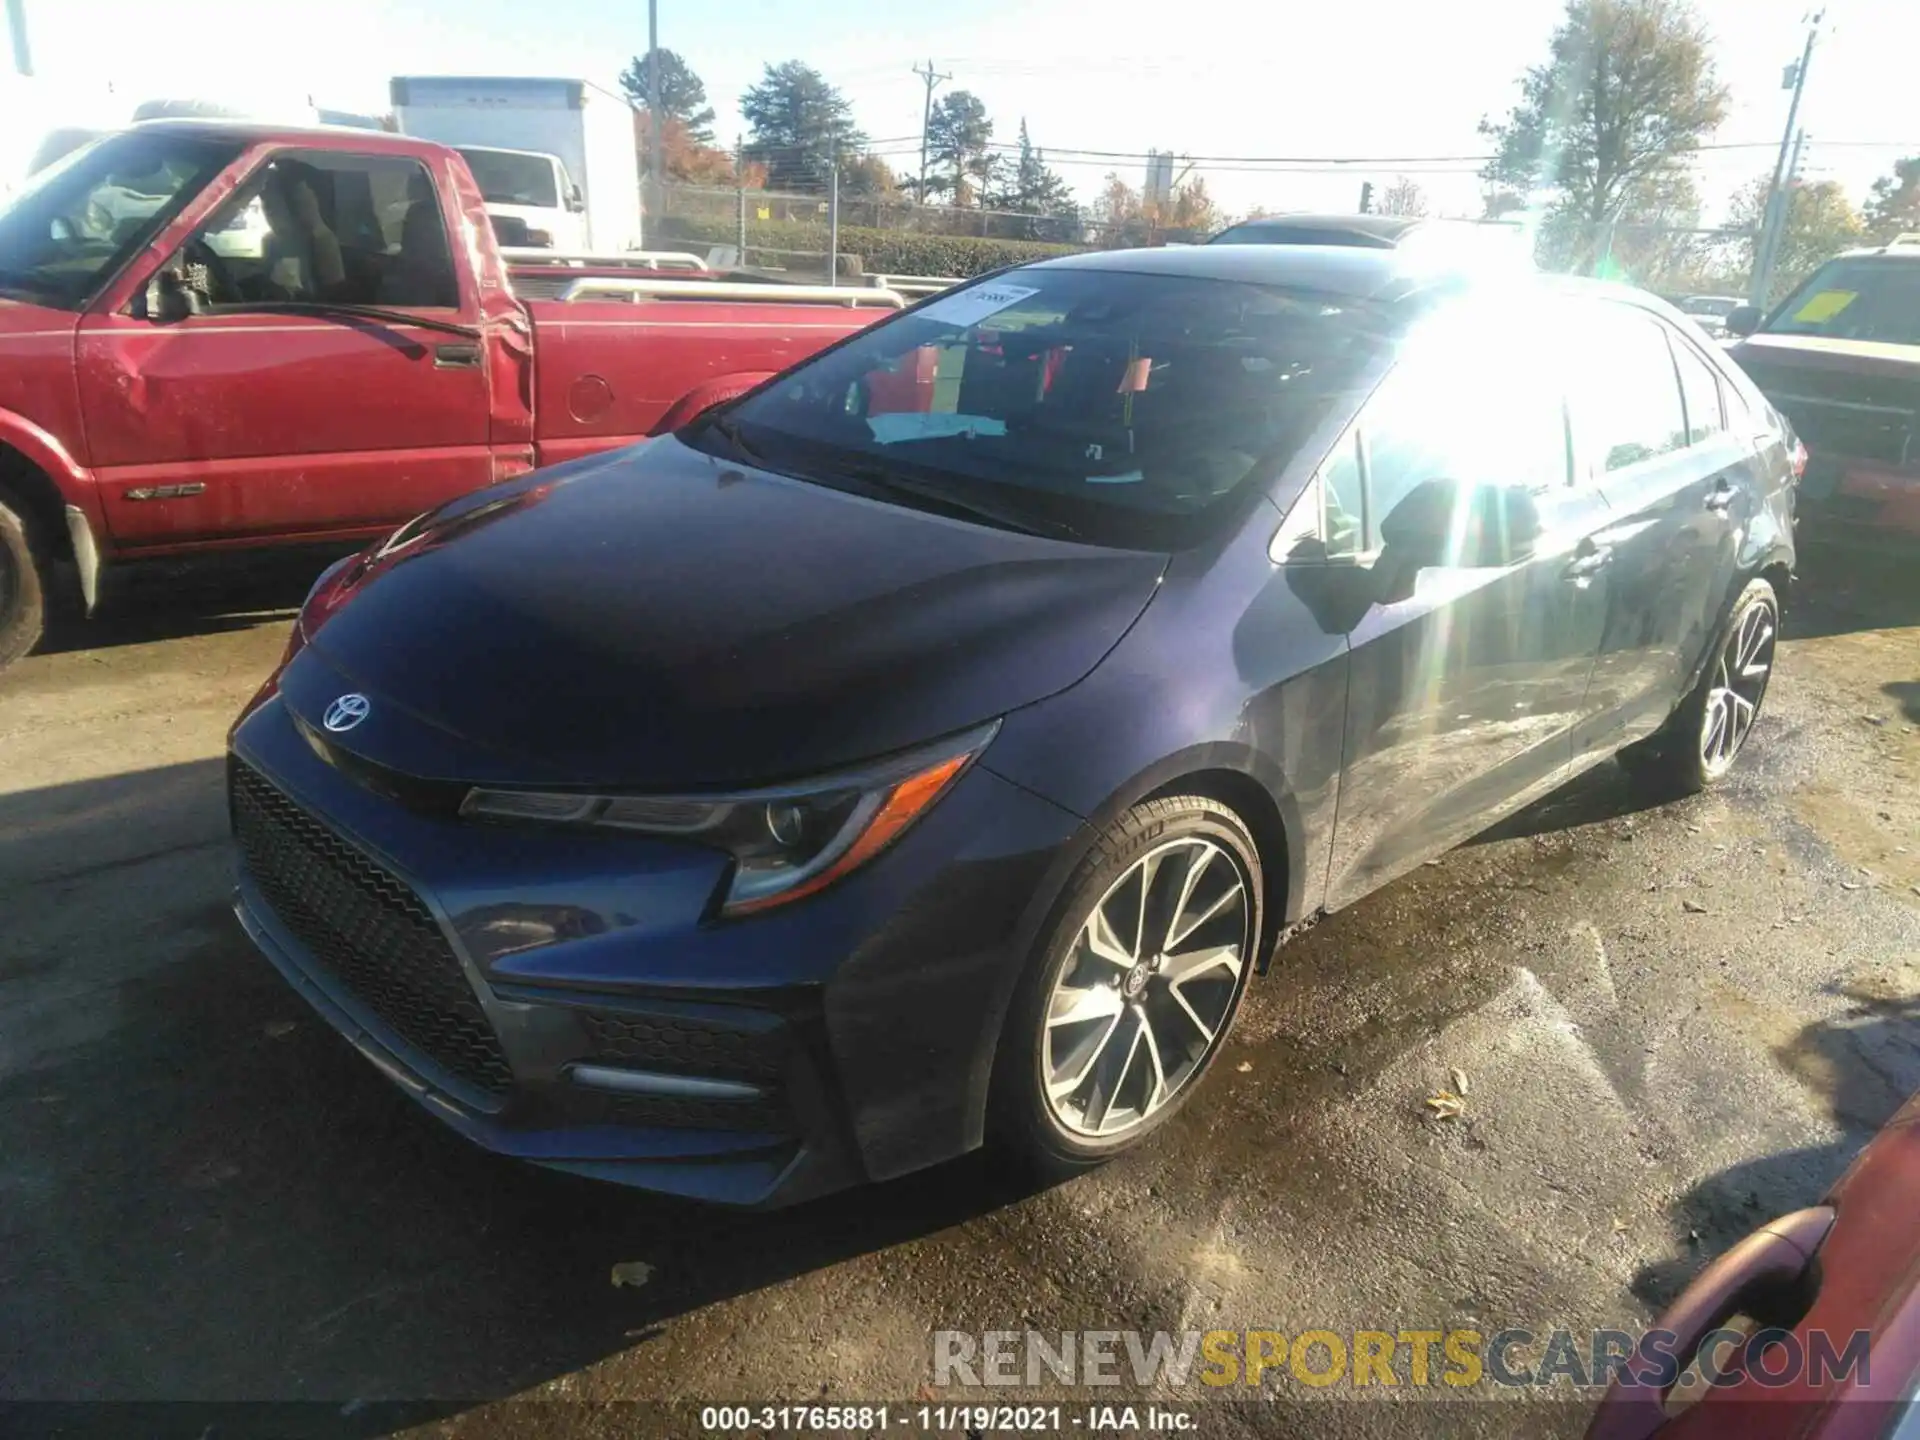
(928, 747)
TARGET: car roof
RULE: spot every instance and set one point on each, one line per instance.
(260, 132)
(1336, 269)
(1371, 231)
(1901, 247)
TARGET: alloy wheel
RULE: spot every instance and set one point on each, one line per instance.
(1739, 684)
(1146, 989)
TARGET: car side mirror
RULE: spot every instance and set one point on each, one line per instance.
(171, 297)
(1461, 525)
(1742, 320)
(574, 201)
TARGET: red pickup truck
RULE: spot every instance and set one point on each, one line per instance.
(220, 335)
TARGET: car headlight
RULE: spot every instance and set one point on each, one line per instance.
(787, 841)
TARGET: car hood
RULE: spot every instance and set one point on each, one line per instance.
(661, 619)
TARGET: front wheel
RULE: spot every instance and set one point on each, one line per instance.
(1699, 743)
(23, 590)
(1133, 991)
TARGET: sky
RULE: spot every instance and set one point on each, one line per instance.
(1390, 80)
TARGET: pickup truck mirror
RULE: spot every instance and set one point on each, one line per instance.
(1742, 320)
(1459, 524)
(574, 202)
(172, 297)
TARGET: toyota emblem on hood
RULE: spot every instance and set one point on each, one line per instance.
(346, 712)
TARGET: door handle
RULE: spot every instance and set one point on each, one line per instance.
(464, 356)
(1720, 499)
(1588, 561)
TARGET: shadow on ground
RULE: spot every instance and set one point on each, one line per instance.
(1838, 592)
(1867, 1060)
(166, 600)
(205, 1194)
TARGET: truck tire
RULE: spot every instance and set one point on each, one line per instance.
(23, 582)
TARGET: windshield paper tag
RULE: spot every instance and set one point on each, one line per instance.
(973, 306)
(1825, 305)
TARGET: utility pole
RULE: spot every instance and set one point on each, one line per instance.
(654, 124)
(1775, 211)
(933, 78)
(17, 28)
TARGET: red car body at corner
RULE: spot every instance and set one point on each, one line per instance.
(255, 426)
(1857, 1257)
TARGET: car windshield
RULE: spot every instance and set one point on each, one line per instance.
(506, 178)
(1709, 305)
(1113, 407)
(1865, 298)
(75, 223)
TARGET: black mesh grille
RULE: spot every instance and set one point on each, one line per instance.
(685, 1046)
(367, 927)
(681, 1112)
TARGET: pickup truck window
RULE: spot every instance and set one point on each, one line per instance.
(347, 229)
(1866, 298)
(510, 177)
(74, 224)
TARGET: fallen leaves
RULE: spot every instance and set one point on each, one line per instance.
(1693, 907)
(1459, 1078)
(1446, 1105)
(632, 1273)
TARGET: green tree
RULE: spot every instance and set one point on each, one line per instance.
(1820, 222)
(960, 158)
(1627, 93)
(1893, 204)
(868, 176)
(800, 126)
(683, 96)
(1036, 190)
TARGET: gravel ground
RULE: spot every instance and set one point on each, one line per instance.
(1673, 1022)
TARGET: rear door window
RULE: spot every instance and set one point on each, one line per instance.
(1700, 390)
(1627, 404)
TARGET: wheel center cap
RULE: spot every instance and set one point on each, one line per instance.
(1136, 980)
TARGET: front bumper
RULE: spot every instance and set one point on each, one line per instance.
(561, 997)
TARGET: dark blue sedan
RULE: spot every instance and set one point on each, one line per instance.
(928, 747)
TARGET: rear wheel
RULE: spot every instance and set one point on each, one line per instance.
(23, 595)
(1701, 740)
(1132, 993)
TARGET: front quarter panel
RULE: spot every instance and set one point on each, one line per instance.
(1230, 668)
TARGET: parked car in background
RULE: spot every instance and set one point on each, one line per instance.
(529, 196)
(217, 335)
(1710, 311)
(1803, 1285)
(1367, 232)
(1461, 243)
(1840, 357)
(560, 157)
(930, 744)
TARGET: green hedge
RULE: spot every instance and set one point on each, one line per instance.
(883, 252)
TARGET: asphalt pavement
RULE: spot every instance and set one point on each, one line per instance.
(1665, 1023)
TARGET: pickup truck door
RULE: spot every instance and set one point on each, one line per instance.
(265, 415)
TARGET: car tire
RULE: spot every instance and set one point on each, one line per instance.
(23, 595)
(1139, 1017)
(1701, 740)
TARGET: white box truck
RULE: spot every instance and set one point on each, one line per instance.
(556, 159)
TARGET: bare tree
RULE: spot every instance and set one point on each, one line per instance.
(1403, 197)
